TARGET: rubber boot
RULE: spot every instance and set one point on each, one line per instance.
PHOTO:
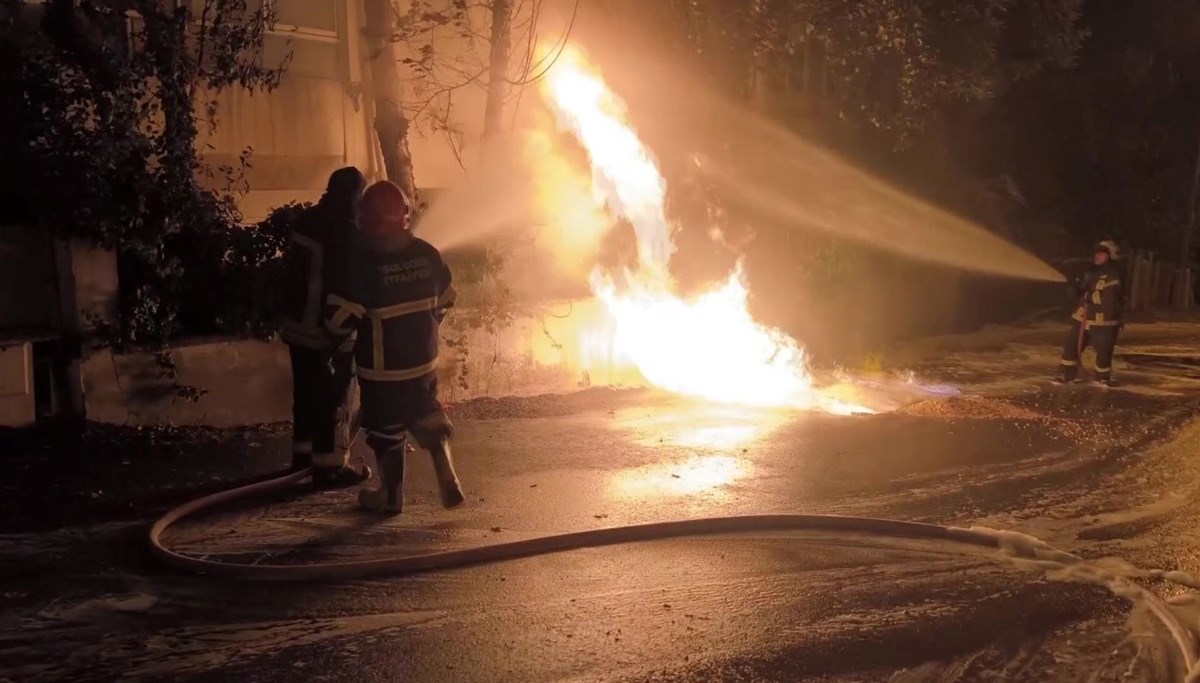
(349, 428)
(1067, 374)
(389, 497)
(301, 458)
(330, 478)
(443, 464)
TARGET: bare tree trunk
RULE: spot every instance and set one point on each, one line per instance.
(500, 39)
(391, 125)
(759, 88)
(807, 90)
(760, 58)
(1189, 229)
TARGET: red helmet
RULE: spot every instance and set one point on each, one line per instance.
(384, 210)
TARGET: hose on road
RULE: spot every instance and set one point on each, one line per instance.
(500, 552)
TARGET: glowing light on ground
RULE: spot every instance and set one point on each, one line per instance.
(708, 346)
(699, 425)
(696, 475)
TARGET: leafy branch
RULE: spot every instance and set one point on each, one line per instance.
(106, 99)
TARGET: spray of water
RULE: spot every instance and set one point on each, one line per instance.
(777, 174)
(768, 172)
(493, 197)
(774, 173)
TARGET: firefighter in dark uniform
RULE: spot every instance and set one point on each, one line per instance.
(317, 252)
(397, 293)
(1097, 318)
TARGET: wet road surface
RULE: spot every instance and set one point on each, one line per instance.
(1097, 472)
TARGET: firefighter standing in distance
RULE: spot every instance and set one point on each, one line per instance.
(1097, 319)
(317, 252)
(396, 295)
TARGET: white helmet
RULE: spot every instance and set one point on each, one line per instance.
(1109, 247)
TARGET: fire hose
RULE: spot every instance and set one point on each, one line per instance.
(592, 538)
(499, 552)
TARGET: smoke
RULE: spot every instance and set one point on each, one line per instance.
(531, 187)
(770, 172)
(765, 170)
(494, 197)
(533, 194)
(800, 185)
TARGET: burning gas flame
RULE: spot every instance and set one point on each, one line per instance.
(708, 346)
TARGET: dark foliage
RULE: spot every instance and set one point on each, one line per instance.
(104, 104)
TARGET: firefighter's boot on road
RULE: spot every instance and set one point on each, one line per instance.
(330, 478)
(389, 497)
(443, 464)
(433, 433)
(332, 470)
(302, 455)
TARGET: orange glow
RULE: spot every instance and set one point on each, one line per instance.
(695, 475)
(708, 346)
(699, 425)
(571, 224)
(624, 176)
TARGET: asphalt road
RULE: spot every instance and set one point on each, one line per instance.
(1102, 473)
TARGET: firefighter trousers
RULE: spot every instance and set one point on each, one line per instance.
(320, 392)
(389, 409)
(1103, 338)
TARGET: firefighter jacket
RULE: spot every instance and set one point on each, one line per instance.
(1102, 300)
(317, 252)
(395, 299)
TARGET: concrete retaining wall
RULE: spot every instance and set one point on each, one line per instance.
(249, 382)
(17, 407)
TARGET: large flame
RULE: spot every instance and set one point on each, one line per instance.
(708, 346)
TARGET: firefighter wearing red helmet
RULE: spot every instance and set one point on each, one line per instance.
(1097, 319)
(394, 297)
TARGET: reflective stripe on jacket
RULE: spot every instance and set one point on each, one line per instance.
(316, 255)
(1103, 300)
(395, 301)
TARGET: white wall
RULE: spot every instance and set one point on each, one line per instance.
(16, 385)
(315, 122)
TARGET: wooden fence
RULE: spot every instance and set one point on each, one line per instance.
(1155, 283)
